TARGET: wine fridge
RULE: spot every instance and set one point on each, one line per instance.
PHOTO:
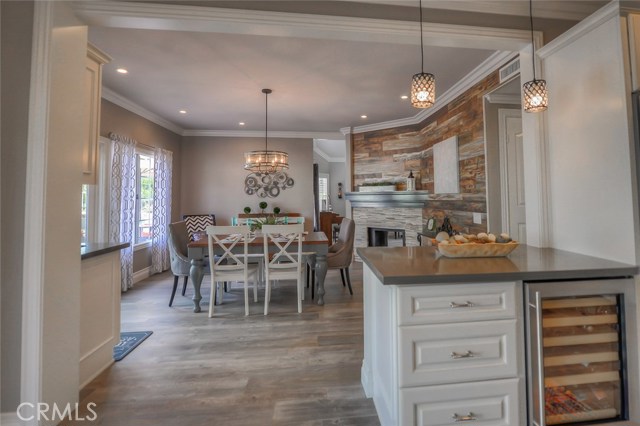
(582, 352)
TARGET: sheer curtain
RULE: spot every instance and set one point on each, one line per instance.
(162, 173)
(122, 202)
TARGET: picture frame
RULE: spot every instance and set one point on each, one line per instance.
(431, 224)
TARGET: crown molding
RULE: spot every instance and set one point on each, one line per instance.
(234, 21)
(326, 156)
(481, 71)
(260, 134)
(498, 98)
(604, 14)
(133, 107)
(572, 11)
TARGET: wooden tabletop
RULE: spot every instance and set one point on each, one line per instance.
(310, 238)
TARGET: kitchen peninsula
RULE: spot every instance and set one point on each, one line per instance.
(445, 340)
(99, 307)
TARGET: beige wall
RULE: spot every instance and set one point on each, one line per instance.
(118, 120)
(17, 22)
(213, 177)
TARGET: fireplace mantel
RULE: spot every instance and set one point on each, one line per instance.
(415, 199)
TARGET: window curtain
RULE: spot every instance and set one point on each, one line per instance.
(162, 173)
(122, 202)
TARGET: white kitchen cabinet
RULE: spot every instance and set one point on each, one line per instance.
(91, 120)
(433, 352)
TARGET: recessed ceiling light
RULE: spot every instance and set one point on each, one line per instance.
(182, 111)
(363, 116)
(241, 123)
(404, 97)
(122, 71)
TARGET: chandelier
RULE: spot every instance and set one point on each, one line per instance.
(266, 162)
(423, 85)
(534, 92)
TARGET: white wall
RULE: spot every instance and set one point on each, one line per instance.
(213, 177)
(588, 138)
(17, 24)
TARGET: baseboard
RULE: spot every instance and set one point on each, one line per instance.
(9, 419)
(141, 274)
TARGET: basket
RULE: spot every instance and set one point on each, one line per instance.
(477, 249)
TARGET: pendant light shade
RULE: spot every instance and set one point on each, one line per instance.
(423, 90)
(423, 85)
(535, 97)
(265, 161)
(534, 92)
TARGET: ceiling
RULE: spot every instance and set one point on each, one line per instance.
(320, 83)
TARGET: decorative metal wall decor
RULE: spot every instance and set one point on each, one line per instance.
(267, 184)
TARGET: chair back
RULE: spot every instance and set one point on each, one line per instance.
(178, 252)
(283, 237)
(341, 253)
(227, 238)
(198, 223)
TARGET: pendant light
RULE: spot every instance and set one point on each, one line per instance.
(534, 92)
(423, 85)
(265, 161)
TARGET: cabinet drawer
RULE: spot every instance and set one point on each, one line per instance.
(454, 353)
(494, 403)
(456, 303)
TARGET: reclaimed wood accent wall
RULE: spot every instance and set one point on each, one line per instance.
(392, 153)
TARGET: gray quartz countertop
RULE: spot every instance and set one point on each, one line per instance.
(423, 265)
(97, 249)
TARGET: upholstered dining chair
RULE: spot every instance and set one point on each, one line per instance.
(180, 263)
(340, 254)
(283, 264)
(197, 223)
(230, 265)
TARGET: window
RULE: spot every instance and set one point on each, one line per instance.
(144, 197)
(84, 221)
(323, 191)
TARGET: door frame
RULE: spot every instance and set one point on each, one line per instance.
(503, 115)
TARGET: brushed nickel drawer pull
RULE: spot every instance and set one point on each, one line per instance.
(467, 354)
(469, 417)
(454, 305)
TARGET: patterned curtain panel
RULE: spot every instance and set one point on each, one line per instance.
(122, 205)
(162, 173)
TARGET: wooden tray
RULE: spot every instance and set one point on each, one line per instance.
(477, 250)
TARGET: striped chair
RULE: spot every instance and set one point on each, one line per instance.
(197, 223)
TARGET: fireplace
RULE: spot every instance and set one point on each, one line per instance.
(379, 237)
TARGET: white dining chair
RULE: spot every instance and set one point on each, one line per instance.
(286, 262)
(229, 266)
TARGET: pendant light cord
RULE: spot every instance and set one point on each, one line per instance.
(533, 49)
(266, 122)
(421, 43)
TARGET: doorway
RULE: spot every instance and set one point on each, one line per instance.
(504, 161)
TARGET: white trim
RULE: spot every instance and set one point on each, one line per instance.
(133, 107)
(326, 156)
(142, 246)
(481, 71)
(594, 21)
(498, 98)
(142, 274)
(9, 419)
(260, 134)
(572, 11)
(35, 193)
(283, 24)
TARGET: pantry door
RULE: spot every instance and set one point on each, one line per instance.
(512, 174)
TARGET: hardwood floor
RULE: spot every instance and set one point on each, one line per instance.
(286, 369)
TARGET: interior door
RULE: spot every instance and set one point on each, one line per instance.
(512, 176)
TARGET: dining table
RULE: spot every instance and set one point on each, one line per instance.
(314, 244)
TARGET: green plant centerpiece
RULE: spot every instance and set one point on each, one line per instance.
(257, 224)
(276, 210)
(247, 210)
(263, 206)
